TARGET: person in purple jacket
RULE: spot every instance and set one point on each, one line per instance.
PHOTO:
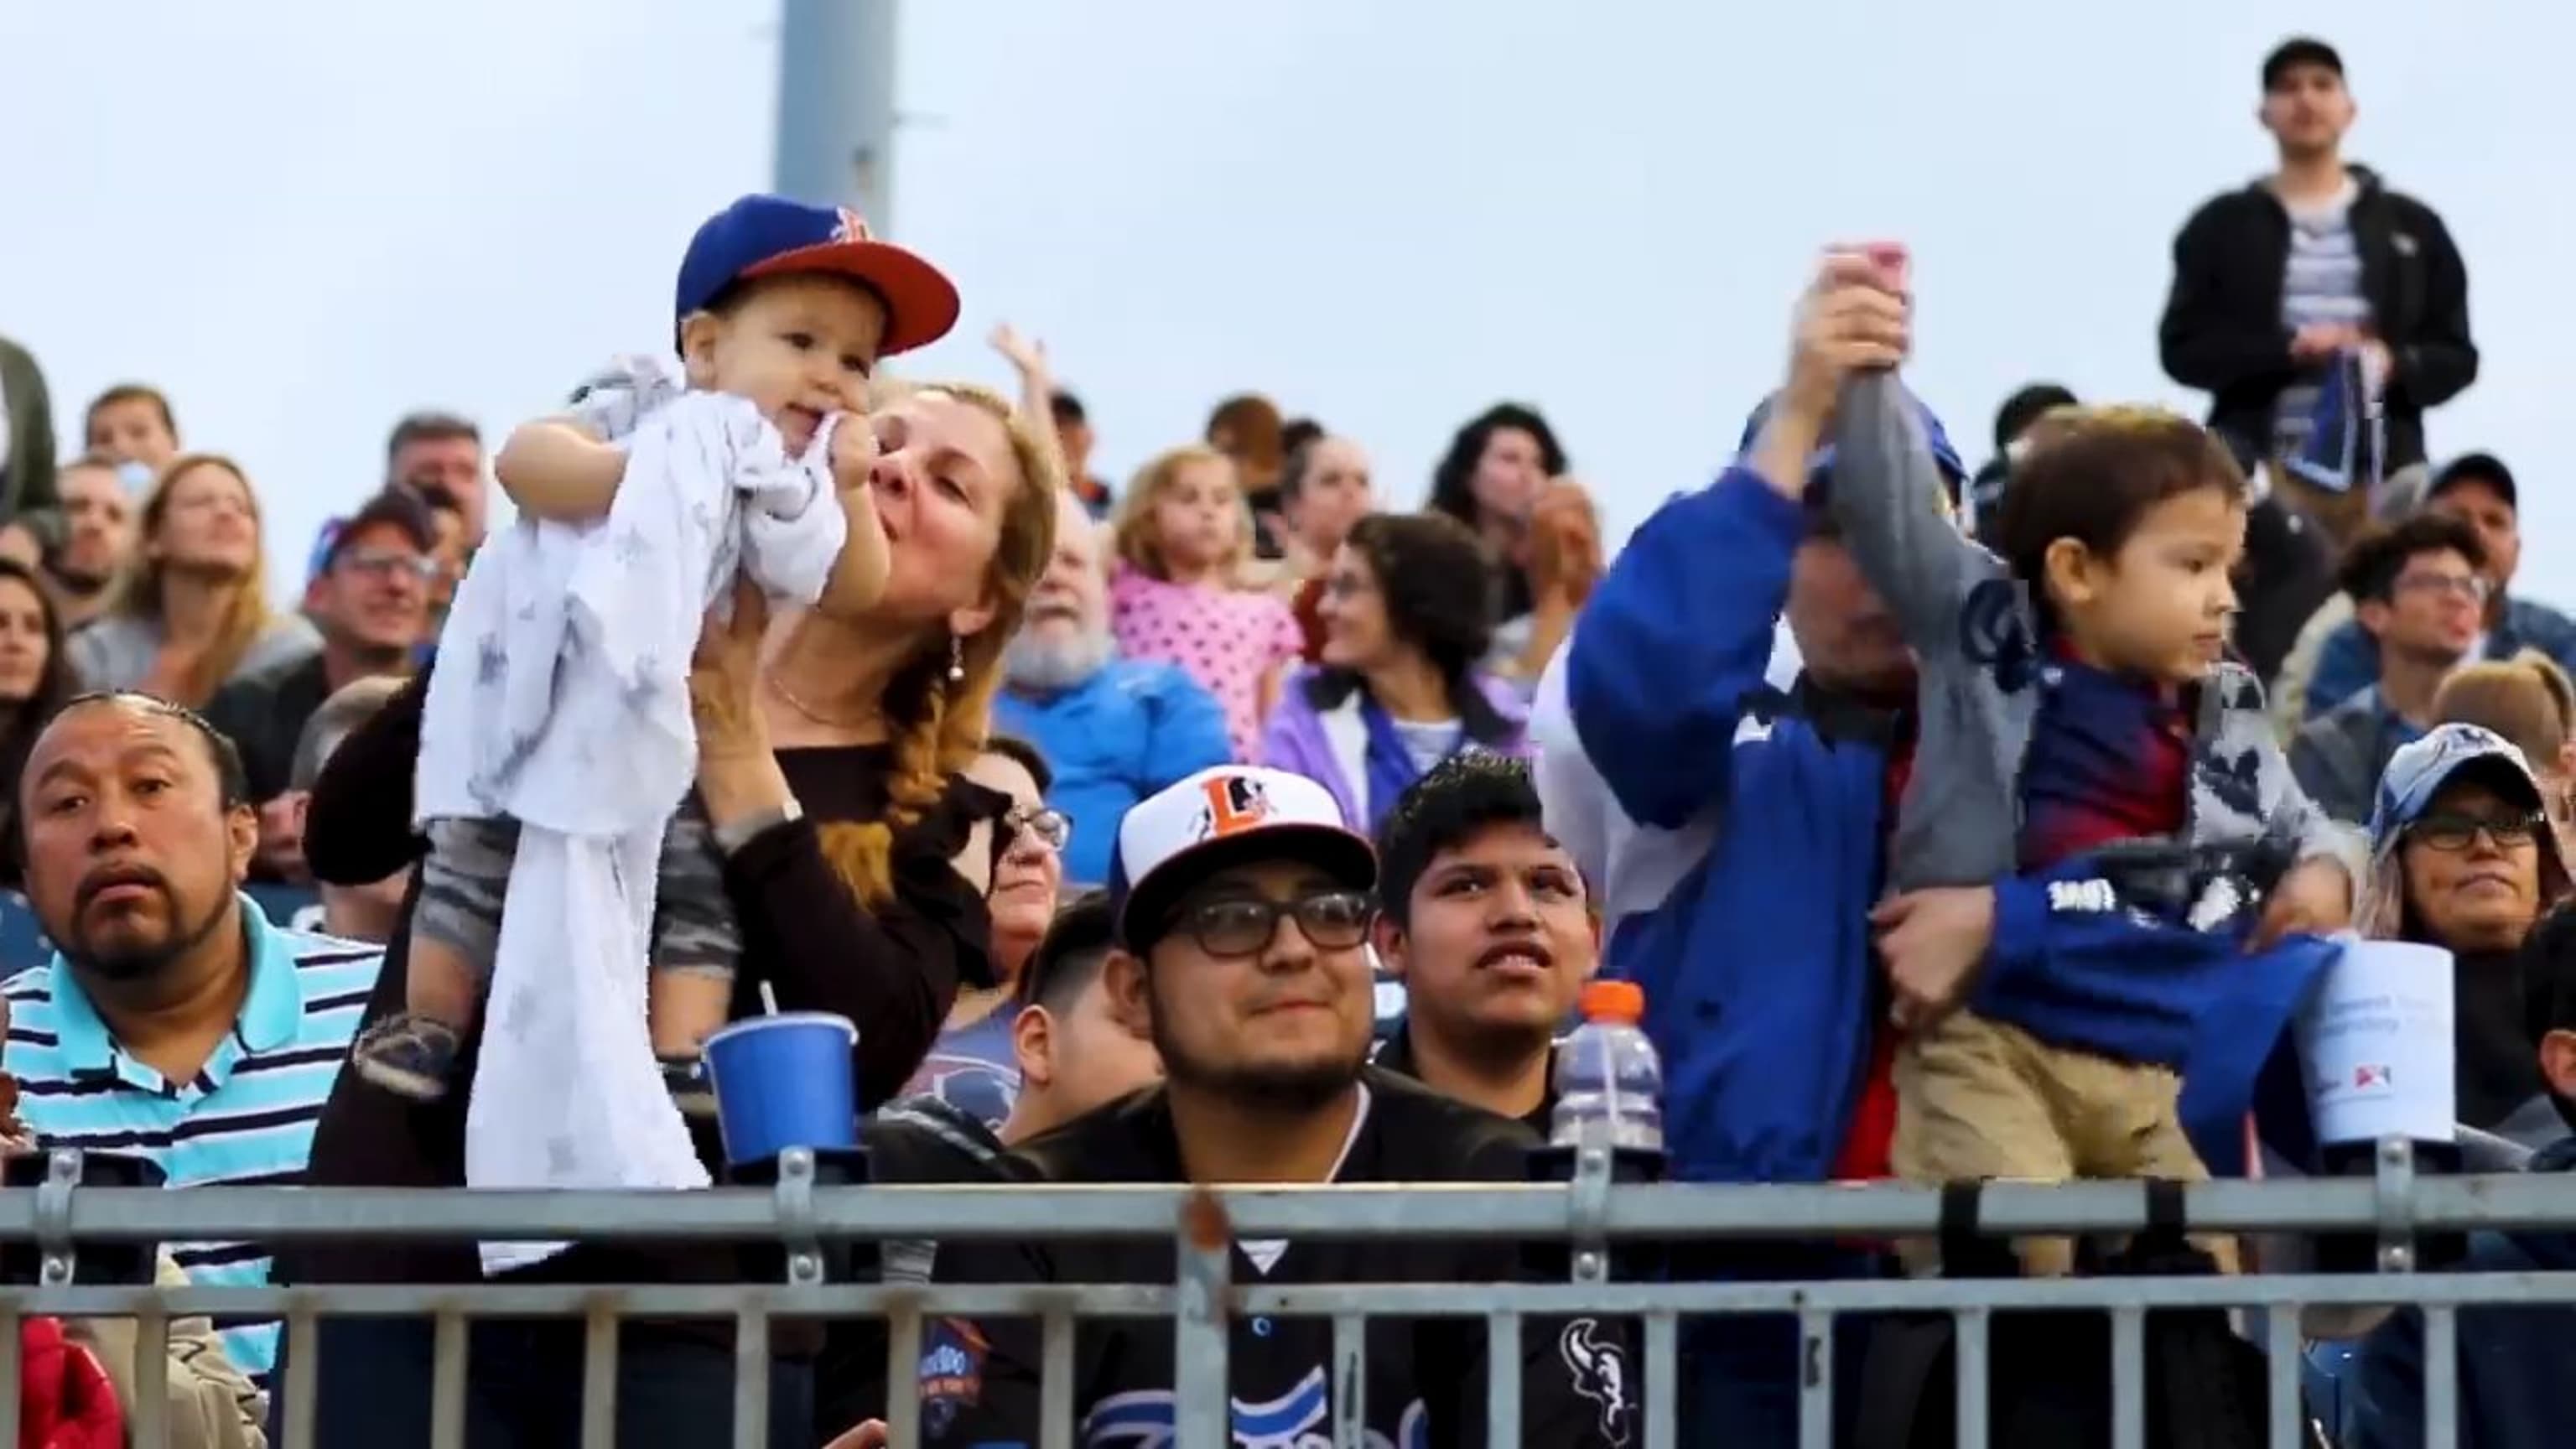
(1408, 615)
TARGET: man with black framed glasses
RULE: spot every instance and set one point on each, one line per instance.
(1242, 906)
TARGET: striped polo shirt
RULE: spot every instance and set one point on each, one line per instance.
(246, 1118)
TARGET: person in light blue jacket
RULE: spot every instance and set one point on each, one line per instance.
(1113, 730)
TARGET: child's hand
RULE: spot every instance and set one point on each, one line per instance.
(854, 452)
(1933, 941)
(2314, 898)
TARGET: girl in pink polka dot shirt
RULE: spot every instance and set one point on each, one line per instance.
(1179, 590)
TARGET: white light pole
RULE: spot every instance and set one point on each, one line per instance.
(836, 66)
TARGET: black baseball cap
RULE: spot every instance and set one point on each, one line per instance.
(2484, 468)
(2298, 50)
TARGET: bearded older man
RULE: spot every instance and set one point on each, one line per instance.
(1114, 730)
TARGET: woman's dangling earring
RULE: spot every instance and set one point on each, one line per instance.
(956, 659)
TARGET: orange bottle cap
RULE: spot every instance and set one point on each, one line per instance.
(1621, 1001)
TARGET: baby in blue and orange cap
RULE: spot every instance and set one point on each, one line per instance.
(781, 313)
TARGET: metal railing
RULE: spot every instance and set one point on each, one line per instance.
(1589, 1215)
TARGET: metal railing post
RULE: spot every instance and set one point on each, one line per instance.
(1200, 1323)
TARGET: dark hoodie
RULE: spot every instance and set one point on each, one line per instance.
(2515, 1363)
(2222, 330)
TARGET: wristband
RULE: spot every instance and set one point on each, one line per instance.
(733, 836)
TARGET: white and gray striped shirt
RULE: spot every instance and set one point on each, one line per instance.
(2320, 284)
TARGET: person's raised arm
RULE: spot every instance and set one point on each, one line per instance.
(1889, 500)
(892, 968)
(1028, 358)
(1675, 640)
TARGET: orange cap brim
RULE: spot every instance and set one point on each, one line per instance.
(921, 303)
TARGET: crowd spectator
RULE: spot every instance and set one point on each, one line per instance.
(2513, 1363)
(174, 1021)
(36, 681)
(26, 442)
(970, 1066)
(97, 535)
(2463, 858)
(1241, 949)
(1070, 1054)
(1074, 440)
(1182, 588)
(2480, 491)
(132, 423)
(1490, 479)
(434, 456)
(2418, 590)
(190, 613)
(1112, 730)
(1485, 921)
(832, 767)
(2013, 423)
(2531, 702)
(1249, 432)
(1407, 624)
(2274, 281)
(369, 604)
(1323, 490)
(360, 912)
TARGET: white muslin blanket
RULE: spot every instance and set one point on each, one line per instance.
(560, 700)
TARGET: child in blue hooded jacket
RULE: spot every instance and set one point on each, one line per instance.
(2076, 705)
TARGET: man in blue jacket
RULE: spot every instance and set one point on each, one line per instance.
(1114, 730)
(2514, 1363)
(1762, 967)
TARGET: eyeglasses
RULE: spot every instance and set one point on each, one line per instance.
(1241, 925)
(2452, 831)
(1051, 827)
(378, 564)
(2472, 587)
(1345, 586)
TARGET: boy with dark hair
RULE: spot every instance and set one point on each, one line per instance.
(1485, 919)
(2514, 1363)
(2077, 709)
(2419, 590)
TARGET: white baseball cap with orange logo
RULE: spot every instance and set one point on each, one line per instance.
(1180, 835)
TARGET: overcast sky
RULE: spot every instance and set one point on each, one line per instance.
(303, 218)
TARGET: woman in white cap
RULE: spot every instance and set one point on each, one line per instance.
(2463, 857)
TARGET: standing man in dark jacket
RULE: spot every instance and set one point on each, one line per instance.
(2275, 280)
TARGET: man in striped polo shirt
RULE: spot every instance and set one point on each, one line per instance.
(173, 1022)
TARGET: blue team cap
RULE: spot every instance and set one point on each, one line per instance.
(2418, 771)
(1820, 464)
(771, 236)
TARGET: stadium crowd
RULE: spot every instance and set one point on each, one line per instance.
(1259, 818)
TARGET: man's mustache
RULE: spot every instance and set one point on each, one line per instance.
(109, 877)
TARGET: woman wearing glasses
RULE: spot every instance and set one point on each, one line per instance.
(2463, 857)
(971, 1066)
(1408, 614)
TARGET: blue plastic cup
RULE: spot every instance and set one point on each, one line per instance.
(784, 1081)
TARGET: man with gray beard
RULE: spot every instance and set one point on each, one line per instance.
(1114, 730)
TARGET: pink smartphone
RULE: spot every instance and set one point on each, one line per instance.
(1894, 264)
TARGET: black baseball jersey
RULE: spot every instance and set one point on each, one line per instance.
(1426, 1377)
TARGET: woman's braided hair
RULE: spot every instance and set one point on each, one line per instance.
(938, 724)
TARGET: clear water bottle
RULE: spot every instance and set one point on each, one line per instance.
(1609, 1082)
